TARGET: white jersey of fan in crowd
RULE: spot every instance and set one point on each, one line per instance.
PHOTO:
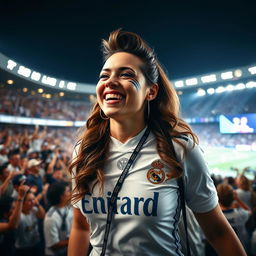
(148, 206)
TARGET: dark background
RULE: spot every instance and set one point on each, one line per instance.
(62, 38)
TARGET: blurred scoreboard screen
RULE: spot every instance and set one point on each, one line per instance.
(242, 123)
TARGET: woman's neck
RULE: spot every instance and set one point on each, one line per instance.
(124, 131)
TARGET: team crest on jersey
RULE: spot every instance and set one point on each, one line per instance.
(156, 175)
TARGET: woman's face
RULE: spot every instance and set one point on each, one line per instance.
(122, 90)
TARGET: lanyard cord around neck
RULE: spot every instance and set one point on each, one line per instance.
(118, 186)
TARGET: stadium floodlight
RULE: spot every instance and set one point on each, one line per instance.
(61, 94)
(49, 80)
(250, 84)
(209, 78)
(230, 88)
(201, 92)
(210, 90)
(62, 84)
(220, 89)
(226, 75)
(252, 70)
(35, 76)
(24, 71)
(71, 86)
(240, 86)
(238, 73)
(179, 83)
(11, 64)
(191, 81)
(40, 90)
(9, 81)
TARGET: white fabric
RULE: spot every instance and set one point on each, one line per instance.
(52, 228)
(148, 203)
(27, 232)
(237, 218)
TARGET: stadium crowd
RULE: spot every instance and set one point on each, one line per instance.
(35, 216)
(13, 102)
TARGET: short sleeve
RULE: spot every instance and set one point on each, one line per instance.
(51, 232)
(74, 155)
(200, 192)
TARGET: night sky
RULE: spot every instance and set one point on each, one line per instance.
(62, 39)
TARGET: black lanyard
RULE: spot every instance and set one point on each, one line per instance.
(118, 186)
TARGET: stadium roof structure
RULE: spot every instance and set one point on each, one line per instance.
(27, 75)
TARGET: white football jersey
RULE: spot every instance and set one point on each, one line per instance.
(148, 206)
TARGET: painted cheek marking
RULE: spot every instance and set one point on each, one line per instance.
(136, 84)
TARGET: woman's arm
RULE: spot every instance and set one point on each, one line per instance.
(79, 236)
(219, 233)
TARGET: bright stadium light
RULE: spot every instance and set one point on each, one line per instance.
(250, 84)
(62, 84)
(220, 89)
(210, 90)
(35, 76)
(240, 86)
(11, 64)
(71, 86)
(252, 70)
(201, 92)
(61, 94)
(227, 75)
(238, 73)
(208, 78)
(191, 81)
(179, 83)
(9, 81)
(49, 80)
(24, 71)
(40, 90)
(230, 88)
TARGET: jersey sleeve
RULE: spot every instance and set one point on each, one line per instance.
(200, 192)
(74, 155)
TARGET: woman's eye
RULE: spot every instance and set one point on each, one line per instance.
(127, 74)
(102, 76)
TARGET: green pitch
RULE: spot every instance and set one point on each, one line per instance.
(222, 160)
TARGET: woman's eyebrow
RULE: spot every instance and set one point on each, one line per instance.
(119, 69)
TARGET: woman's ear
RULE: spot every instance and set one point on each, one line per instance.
(152, 92)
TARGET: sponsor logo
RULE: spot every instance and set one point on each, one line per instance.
(124, 205)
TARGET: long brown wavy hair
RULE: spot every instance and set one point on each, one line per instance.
(92, 152)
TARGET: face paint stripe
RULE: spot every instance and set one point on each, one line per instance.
(136, 84)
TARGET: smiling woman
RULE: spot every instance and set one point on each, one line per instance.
(125, 192)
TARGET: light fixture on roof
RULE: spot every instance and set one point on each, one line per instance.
(238, 73)
(250, 84)
(191, 81)
(208, 78)
(230, 88)
(179, 83)
(252, 70)
(180, 92)
(210, 90)
(240, 86)
(61, 94)
(9, 81)
(220, 89)
(40, 90)
(201, 92)
(226, 75)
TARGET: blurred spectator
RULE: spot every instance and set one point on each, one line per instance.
(15, 164)
(244, 191)
(28, 238)
(237, 217)
(33, 176)
(6, 187)
(10, 212)
(57, 222)
(3, 154)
